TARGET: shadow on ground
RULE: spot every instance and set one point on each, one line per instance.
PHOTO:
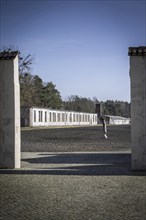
(77, 164)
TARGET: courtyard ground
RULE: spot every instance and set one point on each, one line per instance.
(75, 139)
(74, 173)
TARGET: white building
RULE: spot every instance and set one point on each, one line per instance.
(116, 120)
(36, 116)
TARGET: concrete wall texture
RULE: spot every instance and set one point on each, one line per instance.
(9, 111)
(138, 107)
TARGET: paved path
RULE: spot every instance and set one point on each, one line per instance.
(73, 186)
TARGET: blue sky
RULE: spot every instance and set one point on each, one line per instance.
(81, 46)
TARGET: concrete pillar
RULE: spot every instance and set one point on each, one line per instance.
(138, 106)
(9, 111)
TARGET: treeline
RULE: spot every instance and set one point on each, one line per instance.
(109, 107)
(118, 108)
(35, 92)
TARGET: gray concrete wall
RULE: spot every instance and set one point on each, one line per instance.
(138, 110)
(9, 114)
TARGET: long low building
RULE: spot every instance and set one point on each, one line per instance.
(35, 117)
(116, 120)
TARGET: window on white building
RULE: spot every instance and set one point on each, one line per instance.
(80, 118)
(63, 117)
(77, 117)
(54, 117)
(50, 117)
(73, 117)
(40, 116)
(70, 118)
(34, 115)
(58, 117)
(85, 118)
(45, 116)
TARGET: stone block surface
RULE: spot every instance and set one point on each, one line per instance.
(138, 110)
(9, 111)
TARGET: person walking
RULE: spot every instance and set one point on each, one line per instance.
(104, 126)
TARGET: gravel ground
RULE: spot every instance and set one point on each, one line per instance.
(59, 197)
(75, 182)
(75, 139)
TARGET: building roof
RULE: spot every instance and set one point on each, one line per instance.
(58, 110)
(137, 51)
(115, 117)
(8, 55)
